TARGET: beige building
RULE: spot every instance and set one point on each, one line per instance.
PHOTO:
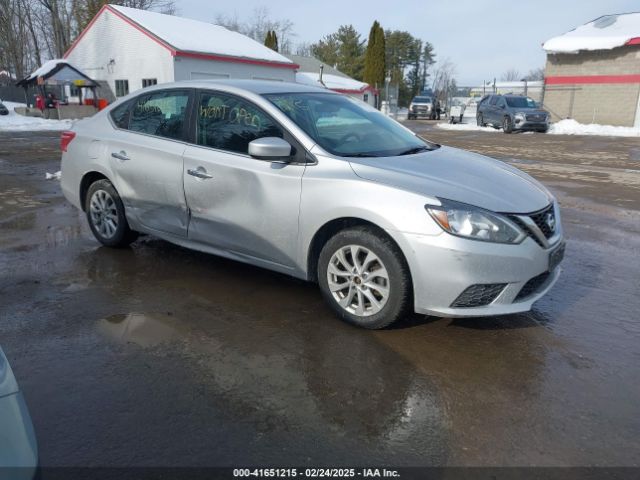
(593, 72)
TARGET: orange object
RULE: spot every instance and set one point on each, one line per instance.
(102, 103)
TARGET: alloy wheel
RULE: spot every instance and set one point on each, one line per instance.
(104, 213)
(358, 280)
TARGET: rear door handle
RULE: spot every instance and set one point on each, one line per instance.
(199, 172)
(122, 155)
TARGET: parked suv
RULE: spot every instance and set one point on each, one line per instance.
(421, 107)
(512, 112)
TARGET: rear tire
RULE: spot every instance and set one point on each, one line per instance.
(480, 121)
(106, 217)
(364, 277)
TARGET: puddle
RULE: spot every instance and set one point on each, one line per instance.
(143, 329)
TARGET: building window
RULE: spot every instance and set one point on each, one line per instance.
(147, 82)
(230, 123)
(366, 97)
(122, 88)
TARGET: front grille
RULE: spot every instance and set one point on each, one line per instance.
(478, 295)
(540, 218)
(532, 286)
(536, 117)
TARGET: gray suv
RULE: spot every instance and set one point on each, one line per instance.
(512, 112)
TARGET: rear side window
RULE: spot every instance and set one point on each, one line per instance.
(120, 115)
(161, 113)
(229, 123)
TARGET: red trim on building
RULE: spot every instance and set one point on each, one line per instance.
(175, 52)
(634, 41)
(592, 79)
(222, 58)
(86, 29)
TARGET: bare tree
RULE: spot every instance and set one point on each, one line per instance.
(444, 82)
(258, 25)
(535, 74)
(511, 75)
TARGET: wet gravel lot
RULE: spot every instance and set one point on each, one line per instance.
(156, 355)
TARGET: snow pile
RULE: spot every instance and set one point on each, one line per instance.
(189, 35)
(563, 127)
(14, 122)
(47, 67)
(603, 33)
(571, 127)
(53, 176)
(465, 127)
(332, 82)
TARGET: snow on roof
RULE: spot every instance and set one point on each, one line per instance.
(603, 33)
(46, 68)
(332, 82)
(189, 35)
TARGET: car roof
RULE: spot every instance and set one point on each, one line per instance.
(259, 87)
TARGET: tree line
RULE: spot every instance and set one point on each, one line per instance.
(34, 31)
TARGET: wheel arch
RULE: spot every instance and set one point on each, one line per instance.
(329, 229)
(87, 179)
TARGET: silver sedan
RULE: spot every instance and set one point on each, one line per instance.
(18, 447)
(316, 185)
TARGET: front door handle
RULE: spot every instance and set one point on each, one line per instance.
(199, 172)
(121, 155)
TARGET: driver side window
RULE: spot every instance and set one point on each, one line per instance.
(230, 123)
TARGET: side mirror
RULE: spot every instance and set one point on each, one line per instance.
(503, 106)
(270, 148)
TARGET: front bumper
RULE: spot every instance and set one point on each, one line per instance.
(444, 266)
(528, 125)
(18, 447)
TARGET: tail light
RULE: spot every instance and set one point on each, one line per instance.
(65, 139)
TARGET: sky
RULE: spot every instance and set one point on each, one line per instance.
(483, 38)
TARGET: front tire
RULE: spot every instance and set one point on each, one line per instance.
(507, 125)
(363, 276)
(105, 213)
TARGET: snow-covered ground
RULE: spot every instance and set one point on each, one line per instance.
(571, 127)
(14, 122)
(563, 127)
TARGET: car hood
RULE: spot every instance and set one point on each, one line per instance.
(529, 110)
(458, 175)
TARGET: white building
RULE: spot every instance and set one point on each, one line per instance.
(309, 74)
(130, 49)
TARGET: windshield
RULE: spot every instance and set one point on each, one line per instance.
(421, 100)
(346, 127)
(521, 102)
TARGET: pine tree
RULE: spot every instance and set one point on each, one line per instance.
(374, 61)
(274, 39)
(268, 39)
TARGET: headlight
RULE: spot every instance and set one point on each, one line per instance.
(475, 223)
(520, 116)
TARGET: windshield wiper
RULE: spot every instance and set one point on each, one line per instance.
(411, 151)
(360, 155)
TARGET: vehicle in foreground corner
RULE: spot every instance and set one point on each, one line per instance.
(321, 187)
(18, 447)
(3, 109)
(512, 113)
